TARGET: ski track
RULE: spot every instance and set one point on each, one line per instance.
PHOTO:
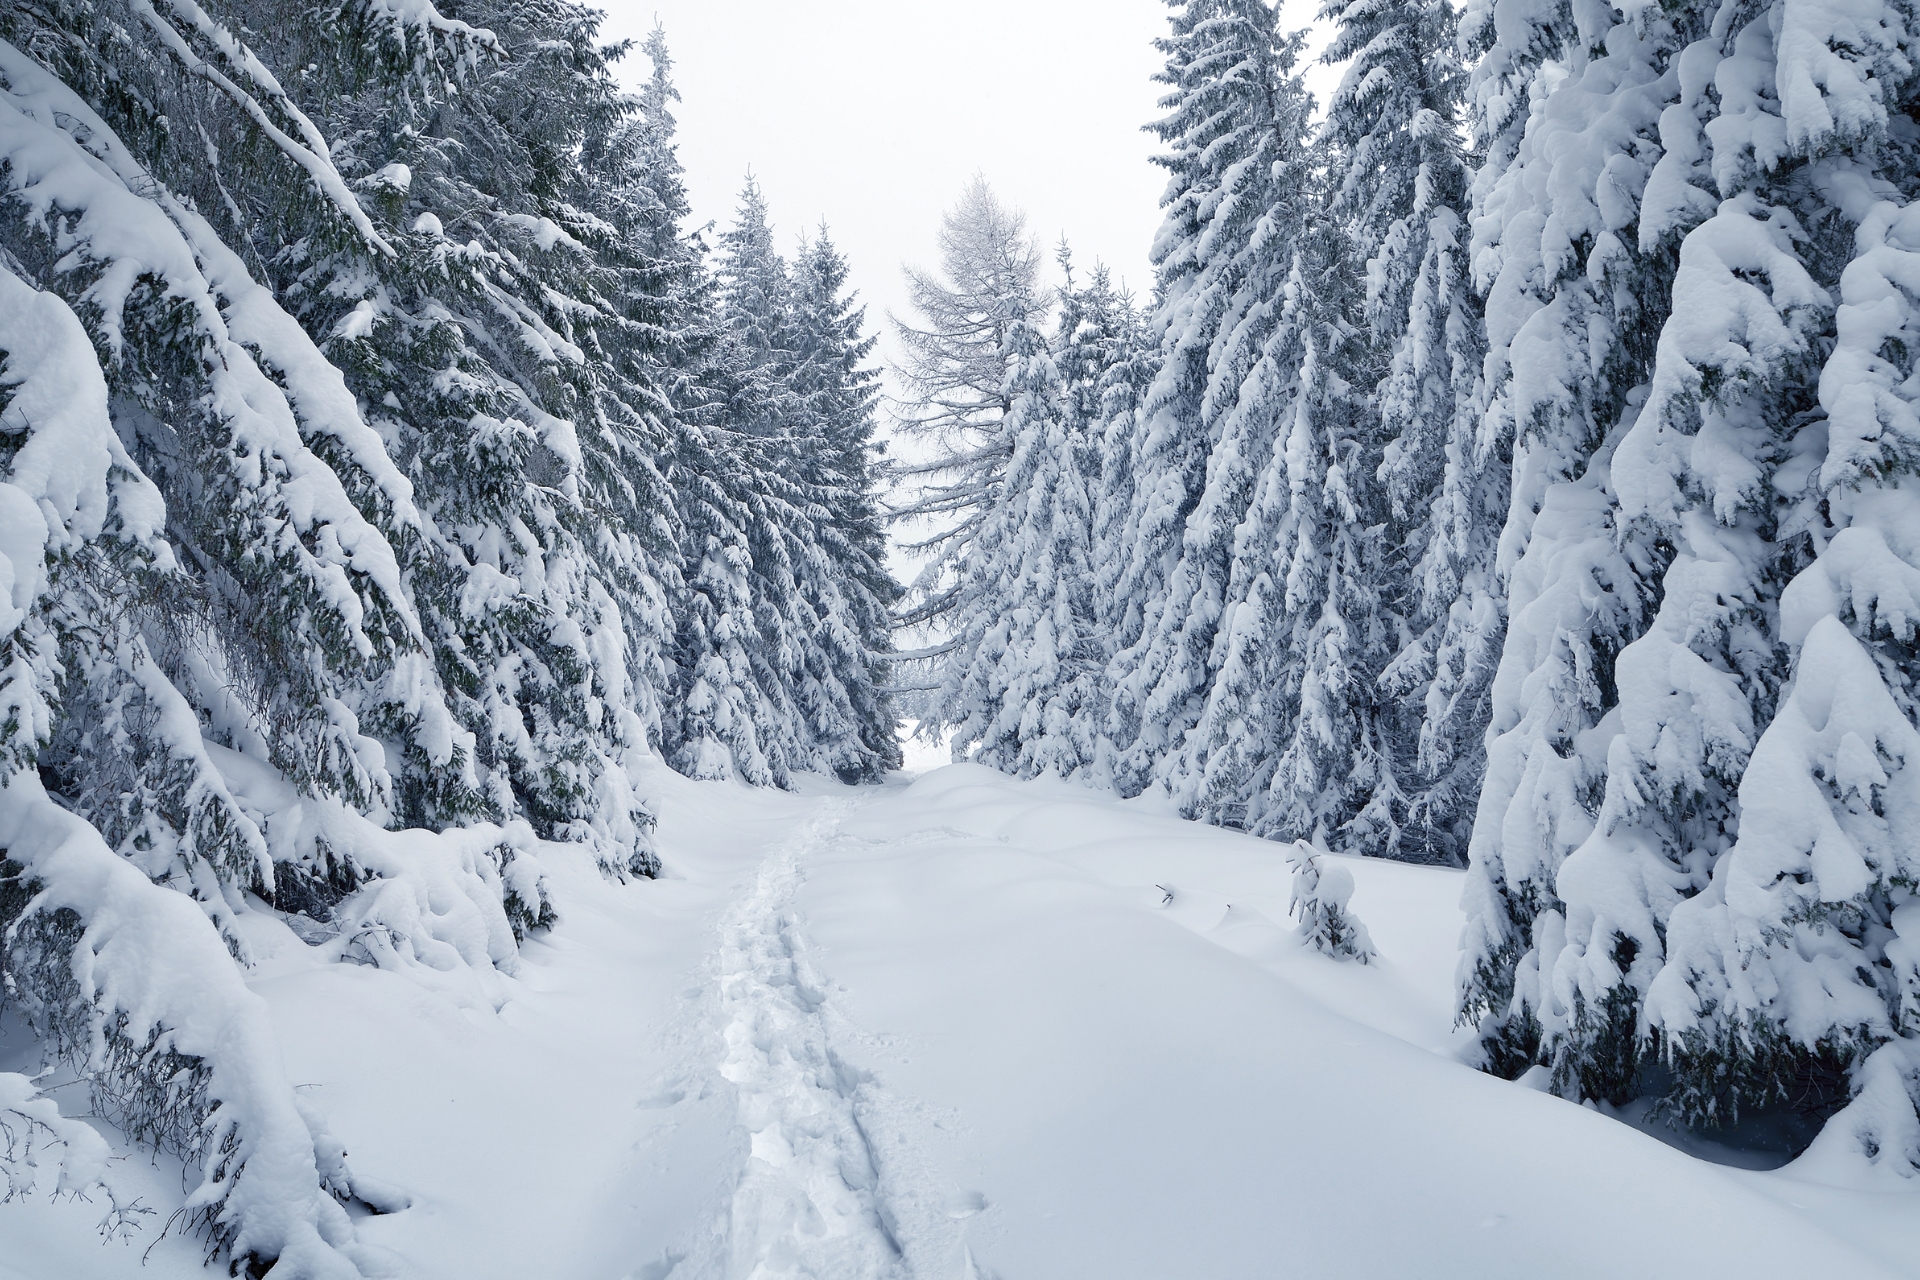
(810, 1201)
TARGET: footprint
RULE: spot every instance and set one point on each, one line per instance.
(661, 1101)
(659, 1270)
(965, 1204)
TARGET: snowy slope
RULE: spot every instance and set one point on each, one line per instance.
(955, 1028)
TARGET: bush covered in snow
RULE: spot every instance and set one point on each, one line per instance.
(1321, 891)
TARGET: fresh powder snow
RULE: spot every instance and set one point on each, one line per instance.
(962, 1025)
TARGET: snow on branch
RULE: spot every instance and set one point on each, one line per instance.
(39, 1146)
(315, 388)
(421, 15)
(412, 37)
(310, 151)
(345, 564)
(134, 986)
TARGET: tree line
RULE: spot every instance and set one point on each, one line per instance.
(1512, 467)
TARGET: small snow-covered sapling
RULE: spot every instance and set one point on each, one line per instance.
(1321, 891)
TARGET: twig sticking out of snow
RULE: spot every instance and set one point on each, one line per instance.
(38, 1144)
(1321, 891)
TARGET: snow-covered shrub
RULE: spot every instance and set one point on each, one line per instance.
(1880, 1126)
(1321, 891)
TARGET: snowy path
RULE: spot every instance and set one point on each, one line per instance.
(808, 1201)
(955, 1031)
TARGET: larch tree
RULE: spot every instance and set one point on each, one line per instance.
(954, 446)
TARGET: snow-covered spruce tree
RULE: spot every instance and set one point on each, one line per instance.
(1567, 115)
(1321, 892)
(1105, 363)
(760, 369)
(1132, 361)
(1236, 133)
(732, 712)
(1798, 962)
(1400, 192)
(288, 635)
(839, 393)
(129, 980)
(955, 445)
(281, 623)
(1706, 472)
(1328, 621)
(792, 417)
(397, 323)
(291, 631)
(1020, 686)
(713, 705)
(499, 355)
(1093, 337)
(1256, 675)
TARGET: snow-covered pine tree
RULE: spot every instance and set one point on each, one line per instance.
(1236, 131)
(175, 1047)
(1020, 688)
(1796, 967)
(1400, 192)
(1105, 363)
(839, 391)
(1566, 112)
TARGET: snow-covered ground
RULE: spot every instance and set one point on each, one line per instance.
(967, 1027)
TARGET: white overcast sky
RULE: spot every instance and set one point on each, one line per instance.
(872, 114)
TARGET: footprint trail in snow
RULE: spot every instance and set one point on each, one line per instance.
(809, 1202)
